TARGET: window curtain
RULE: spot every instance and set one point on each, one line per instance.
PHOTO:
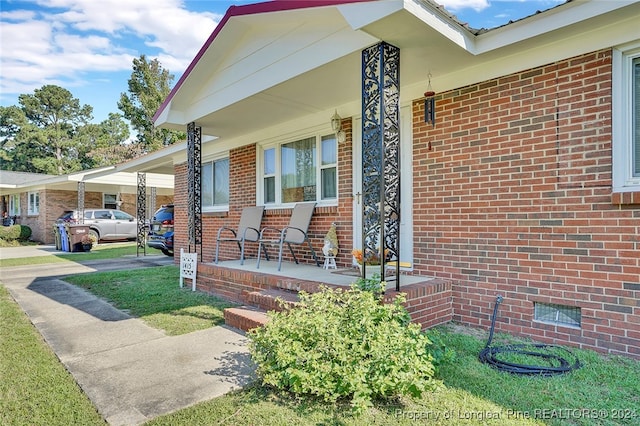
(206, 175)
(298, 164)
(221, 182)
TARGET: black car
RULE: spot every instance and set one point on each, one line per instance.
(161, 230)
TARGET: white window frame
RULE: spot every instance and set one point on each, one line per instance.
(622, 128)
(33, 203)
(14, 205)
(278, 171)
(109, 206)
(218, 207)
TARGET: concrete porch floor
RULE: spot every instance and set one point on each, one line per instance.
(311, 272)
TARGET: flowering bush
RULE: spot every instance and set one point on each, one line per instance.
(372, 258)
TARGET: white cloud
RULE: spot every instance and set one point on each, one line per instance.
(455, 5)
(65, 40)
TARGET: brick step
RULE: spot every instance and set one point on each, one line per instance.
(269, 300)
(245, 318)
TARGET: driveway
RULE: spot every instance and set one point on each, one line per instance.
(130, 371)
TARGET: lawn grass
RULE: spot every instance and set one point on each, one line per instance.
(154, 296)
(35, 388)
(604, 391)
(606, 386)
(101, 251)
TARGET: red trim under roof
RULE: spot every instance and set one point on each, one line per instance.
(249, 9)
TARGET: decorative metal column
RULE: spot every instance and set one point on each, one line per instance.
(381, 156)
(152, 201)
(141, 210)
(81, 203)
(194, 193)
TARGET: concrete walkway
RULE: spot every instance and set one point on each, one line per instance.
(130, 371)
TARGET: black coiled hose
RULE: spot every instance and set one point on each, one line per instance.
(553, 356)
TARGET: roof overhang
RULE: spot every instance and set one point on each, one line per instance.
(157, 162)
(103, 178)
(265, 66)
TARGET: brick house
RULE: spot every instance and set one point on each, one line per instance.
(526, 185)
(37, 200)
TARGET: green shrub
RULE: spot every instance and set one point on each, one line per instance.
(15, 232)
(440, 353)
(25, 232)
(343, 344)
(373, 284)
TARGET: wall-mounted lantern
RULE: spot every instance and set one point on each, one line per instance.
(336, 125)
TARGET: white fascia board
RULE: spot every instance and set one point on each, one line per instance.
(446, 26)
(359, 15)
(550, 20)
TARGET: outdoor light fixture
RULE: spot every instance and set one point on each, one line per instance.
(336, 125)
(430, 105)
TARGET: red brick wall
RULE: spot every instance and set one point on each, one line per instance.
(513, 197)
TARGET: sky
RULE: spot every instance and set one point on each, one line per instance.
(88, 46)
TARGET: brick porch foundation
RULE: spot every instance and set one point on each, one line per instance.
(429, 302)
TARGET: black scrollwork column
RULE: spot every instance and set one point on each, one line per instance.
(194, 196)
(141, 213)
(381, 155)
(81, 195)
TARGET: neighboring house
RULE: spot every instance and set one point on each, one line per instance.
(527, 185)
(37, 200)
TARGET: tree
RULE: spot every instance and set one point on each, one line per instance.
(14, 155)
(53, 119)
(50, 133)
(149, 86)
(109, 142)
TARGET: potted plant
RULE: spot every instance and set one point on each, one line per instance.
(371, 258)
(88, 241)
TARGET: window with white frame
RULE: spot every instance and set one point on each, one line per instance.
(626, 119)
(110, 201)
(215, 185)
(301, 170)
(635, 107)
(14, 205)
(33, 203)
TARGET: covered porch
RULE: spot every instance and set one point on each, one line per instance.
(428, 299)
